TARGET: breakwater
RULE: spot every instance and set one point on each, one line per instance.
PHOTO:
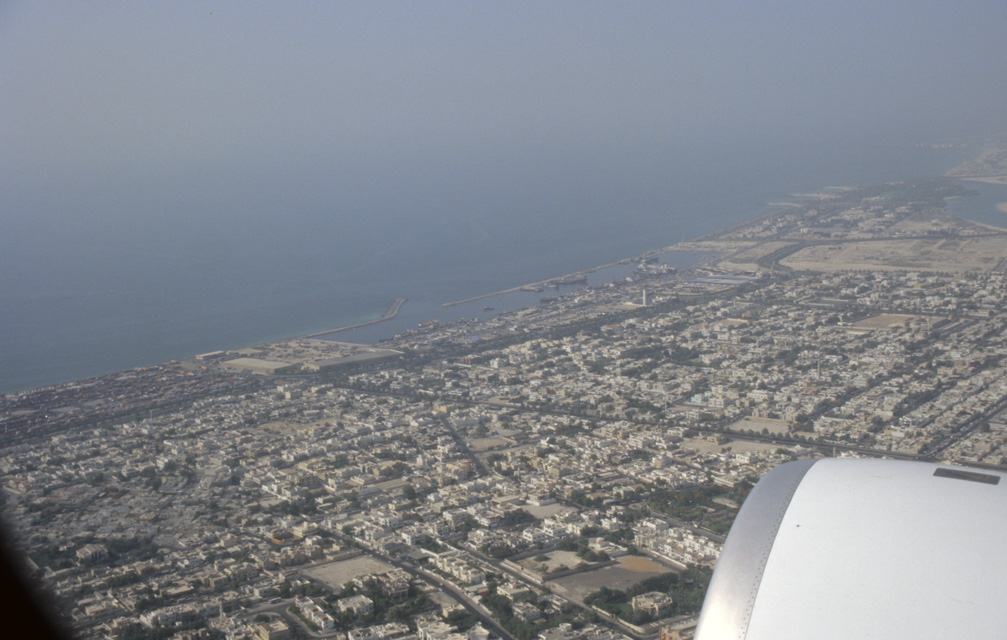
(387, 315)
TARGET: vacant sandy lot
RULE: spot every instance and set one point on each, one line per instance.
(737, 446)
(482, 444)
(952, 255)
(628, 571)
(336, 574)
(883, 320)
(774, 427)
(747, 260)
(556, 559)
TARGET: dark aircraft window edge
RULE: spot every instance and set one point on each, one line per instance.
(971, 476)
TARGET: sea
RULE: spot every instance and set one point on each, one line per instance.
(139, 270)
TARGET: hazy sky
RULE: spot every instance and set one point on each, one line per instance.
(180, 125)
(111, 87)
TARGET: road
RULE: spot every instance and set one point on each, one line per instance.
(611, 620)
(470, 604)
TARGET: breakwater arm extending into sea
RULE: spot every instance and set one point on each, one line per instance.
(387, 315)
(567, 279)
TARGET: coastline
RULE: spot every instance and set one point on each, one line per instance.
(779, 209)
(716, 247)
(577, 275)
(991, 227)
(425, 308)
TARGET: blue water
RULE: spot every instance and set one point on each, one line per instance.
(981, 207)
(101, 275)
